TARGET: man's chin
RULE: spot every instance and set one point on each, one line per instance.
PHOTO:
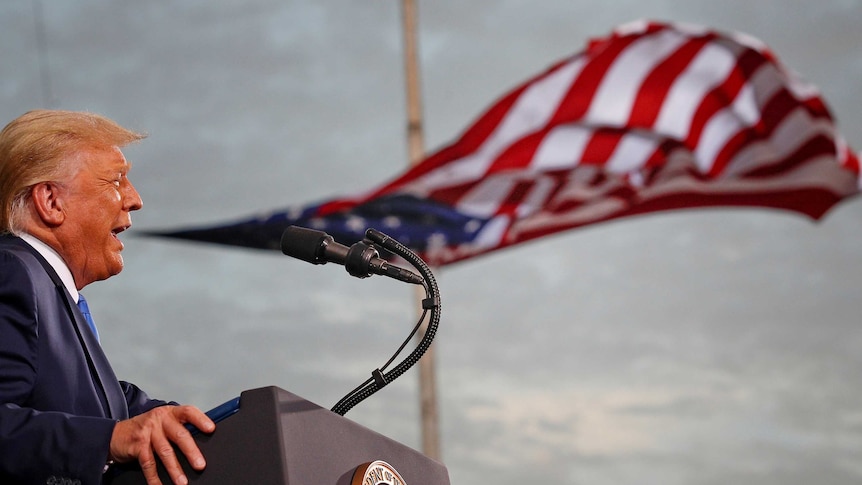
(113, 268)
(118, 266)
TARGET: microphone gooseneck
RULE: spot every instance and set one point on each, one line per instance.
(362, 260)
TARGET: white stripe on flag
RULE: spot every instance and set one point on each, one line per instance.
(613, 101)
(531, 112)
(709, 68)
(561, 148)
(632, 152)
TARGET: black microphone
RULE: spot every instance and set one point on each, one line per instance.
(360, 260)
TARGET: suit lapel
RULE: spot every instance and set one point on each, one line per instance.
(105, 381)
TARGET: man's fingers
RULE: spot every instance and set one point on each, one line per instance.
(195, 417)
(163, 448)
(186, 443)
(149, 469)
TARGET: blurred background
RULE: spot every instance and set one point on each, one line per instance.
(694, 347)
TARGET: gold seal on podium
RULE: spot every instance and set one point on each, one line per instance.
(376, 473)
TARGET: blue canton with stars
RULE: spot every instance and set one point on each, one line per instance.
(415, 222)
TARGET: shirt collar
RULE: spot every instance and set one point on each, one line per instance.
(55, 261)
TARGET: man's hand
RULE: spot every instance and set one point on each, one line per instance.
(151, 434)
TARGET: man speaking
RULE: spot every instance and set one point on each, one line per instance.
(65, 197)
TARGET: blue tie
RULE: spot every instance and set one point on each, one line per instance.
(85, 309)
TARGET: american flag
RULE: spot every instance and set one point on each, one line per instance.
(652, 117)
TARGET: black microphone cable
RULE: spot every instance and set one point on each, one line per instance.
(431, 304)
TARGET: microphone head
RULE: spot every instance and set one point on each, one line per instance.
(305, 244)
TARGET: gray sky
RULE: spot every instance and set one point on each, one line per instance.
(700, 347)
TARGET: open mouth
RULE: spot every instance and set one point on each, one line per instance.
(117, 230)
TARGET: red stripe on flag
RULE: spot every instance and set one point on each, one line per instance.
(655, 87)
(577, 101)
(601, 146)
(723, 95)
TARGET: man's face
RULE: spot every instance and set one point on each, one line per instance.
(97, 205)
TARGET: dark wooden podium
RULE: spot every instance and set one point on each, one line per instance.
(278, 438)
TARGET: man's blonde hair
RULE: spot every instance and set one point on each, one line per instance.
(35, 148)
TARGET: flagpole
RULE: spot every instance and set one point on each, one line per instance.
(416, 151)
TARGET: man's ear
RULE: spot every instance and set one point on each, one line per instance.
(48, 203)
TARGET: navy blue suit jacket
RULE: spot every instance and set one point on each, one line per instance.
(59, 397)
